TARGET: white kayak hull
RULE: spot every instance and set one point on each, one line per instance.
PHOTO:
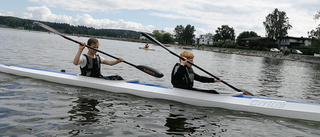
(236, 101)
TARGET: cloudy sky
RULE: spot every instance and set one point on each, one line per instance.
(148, 15)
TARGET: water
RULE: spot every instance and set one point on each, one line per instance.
(30, 107)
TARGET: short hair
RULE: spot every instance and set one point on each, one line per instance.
(187, 54)
(92, 41)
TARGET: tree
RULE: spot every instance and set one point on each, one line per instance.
(158, 34)
(179, 33)
(246, 34)
(162, 36)
(185, 35)
(277, 24)
(167, 38)
(317, 15)
(224, 33)
(315, 33)
(189, 34)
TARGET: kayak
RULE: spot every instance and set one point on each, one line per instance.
(233, 101)
(146, 48)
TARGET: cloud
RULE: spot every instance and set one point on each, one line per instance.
(43, 13)
(6, 13)
(242, 15)
(88, 20)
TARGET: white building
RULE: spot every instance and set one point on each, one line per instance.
(206, 39)
(289, 42)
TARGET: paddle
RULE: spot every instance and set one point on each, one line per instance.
(146, 69)
(160, 44)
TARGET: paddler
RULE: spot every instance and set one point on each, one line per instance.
(183, 75)
(90, 62)
(146, 46)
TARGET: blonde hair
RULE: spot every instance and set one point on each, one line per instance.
(187, 55)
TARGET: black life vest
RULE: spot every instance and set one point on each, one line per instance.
(92, 68)
(186, 80)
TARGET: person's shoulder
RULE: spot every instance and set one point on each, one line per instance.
(101, 58)
(83, 56)
(177, 64)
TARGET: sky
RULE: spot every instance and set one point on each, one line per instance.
(148, 15)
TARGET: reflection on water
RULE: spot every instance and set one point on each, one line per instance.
(177, 125)
(271, 76)
(85, 112)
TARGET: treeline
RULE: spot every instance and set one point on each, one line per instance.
(18, 23)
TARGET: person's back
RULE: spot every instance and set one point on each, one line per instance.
(183, 76)
(180, 77)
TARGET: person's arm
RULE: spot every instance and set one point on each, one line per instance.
(77, 60)
(206, 79)
(113, 62)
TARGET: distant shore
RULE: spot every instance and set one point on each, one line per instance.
(293, 57)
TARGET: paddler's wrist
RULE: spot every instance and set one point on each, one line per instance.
(118, 61)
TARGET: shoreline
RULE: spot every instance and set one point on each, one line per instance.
(268, 54)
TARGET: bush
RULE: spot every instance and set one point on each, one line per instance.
(287, 52)
(218, 43)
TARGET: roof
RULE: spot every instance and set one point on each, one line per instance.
(255, 38)
(296, 38)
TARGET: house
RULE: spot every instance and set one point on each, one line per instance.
(246, 41)
(289, 42)
(206, 39)
(143, 37)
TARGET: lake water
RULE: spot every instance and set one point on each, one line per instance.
(30, 107)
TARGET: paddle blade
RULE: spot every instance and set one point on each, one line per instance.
(47, 28)
(247, 93)
(150, 71)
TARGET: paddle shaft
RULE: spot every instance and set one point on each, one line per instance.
(96, 50)
(145, 69)
(160, 44)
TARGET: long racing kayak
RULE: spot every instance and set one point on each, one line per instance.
(146, 48)
(233, 101)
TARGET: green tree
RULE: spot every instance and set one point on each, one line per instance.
(315, 33)
(246, 34)
(158, 34)
(277, 24)
(189, 34)
(167, 38)
(162, 36)
(223, 33)
(178, 33)
(185, 35)
(317, 15)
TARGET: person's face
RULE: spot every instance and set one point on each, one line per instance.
(189, 65)
(96, 46)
